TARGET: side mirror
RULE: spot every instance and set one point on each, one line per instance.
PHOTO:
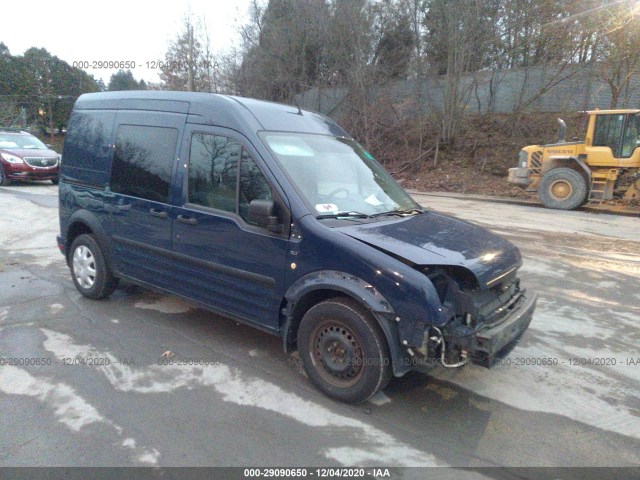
(261, 213)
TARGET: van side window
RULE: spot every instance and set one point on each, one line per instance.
(253, 185)
(213, 171)
(142, 161)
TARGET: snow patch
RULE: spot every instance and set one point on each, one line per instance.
(380, 399)
(377, 447)
(70, 409)
(129, 442)
(149, 457)
(164, 304)
(55, 307)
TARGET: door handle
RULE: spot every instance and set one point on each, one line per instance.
(158, 213)
(187, 220)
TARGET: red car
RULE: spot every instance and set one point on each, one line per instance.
(24, 157)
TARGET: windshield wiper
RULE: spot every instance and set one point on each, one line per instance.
(345, 214)
(399, 212)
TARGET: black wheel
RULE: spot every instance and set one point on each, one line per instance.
(343, 351)
(54, 181)
(562, 188)
(89, 271)
(3, 177)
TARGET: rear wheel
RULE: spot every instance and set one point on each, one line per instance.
(54, 181)
(343, 351)
(89, 271)
(562, 188)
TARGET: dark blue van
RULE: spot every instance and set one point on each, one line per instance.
(274, 216)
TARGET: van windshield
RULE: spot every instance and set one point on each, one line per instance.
(337, 177)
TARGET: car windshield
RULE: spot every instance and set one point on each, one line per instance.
(10, 141)
(337, 177)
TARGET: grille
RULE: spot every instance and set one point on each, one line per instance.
(487, 307)
(536, 161)
(41, 162)
(493, 304)
(511, 299)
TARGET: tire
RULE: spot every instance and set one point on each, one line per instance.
(54, 181)
(4, 181)
(89, 271)
(343, 351)
(562, 188)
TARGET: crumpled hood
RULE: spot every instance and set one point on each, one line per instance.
(435, 239)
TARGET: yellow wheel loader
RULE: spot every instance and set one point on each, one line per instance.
(604, 166)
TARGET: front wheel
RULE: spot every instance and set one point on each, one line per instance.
(89, 271)
(562, 188)
(4, 181)
(343, 351)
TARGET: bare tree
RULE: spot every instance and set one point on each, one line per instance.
(458, 27)
(620, 48)
(189, 63)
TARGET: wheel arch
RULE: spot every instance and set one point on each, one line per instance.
(85, 222)
(575, 163)
(320, 286)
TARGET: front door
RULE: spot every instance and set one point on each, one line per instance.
(223, 260)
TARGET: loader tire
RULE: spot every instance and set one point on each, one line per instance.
(563, 189)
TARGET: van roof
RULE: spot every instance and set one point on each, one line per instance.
(215, 109)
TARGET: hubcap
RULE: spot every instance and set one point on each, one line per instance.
(561, 189)
(84, 266)
(338, 352)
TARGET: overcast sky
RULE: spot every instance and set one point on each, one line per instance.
(135, 30)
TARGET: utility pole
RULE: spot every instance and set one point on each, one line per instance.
(190, 61)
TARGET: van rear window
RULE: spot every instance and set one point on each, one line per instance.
(142, 161)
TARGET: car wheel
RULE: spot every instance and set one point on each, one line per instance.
(4, 181)
(562, 188)
(54, 181)
(343, 350)
(89, 271)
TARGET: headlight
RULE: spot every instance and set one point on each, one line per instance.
(522, 159)
(11, 158)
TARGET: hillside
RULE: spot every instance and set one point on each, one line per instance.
(486, 148)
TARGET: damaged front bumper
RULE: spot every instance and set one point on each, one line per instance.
(490, 342)
(457, 344)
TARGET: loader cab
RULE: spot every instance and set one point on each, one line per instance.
(613, 138)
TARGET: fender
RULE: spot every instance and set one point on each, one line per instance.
(91, 220)
(354, 287)
(576, 163)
